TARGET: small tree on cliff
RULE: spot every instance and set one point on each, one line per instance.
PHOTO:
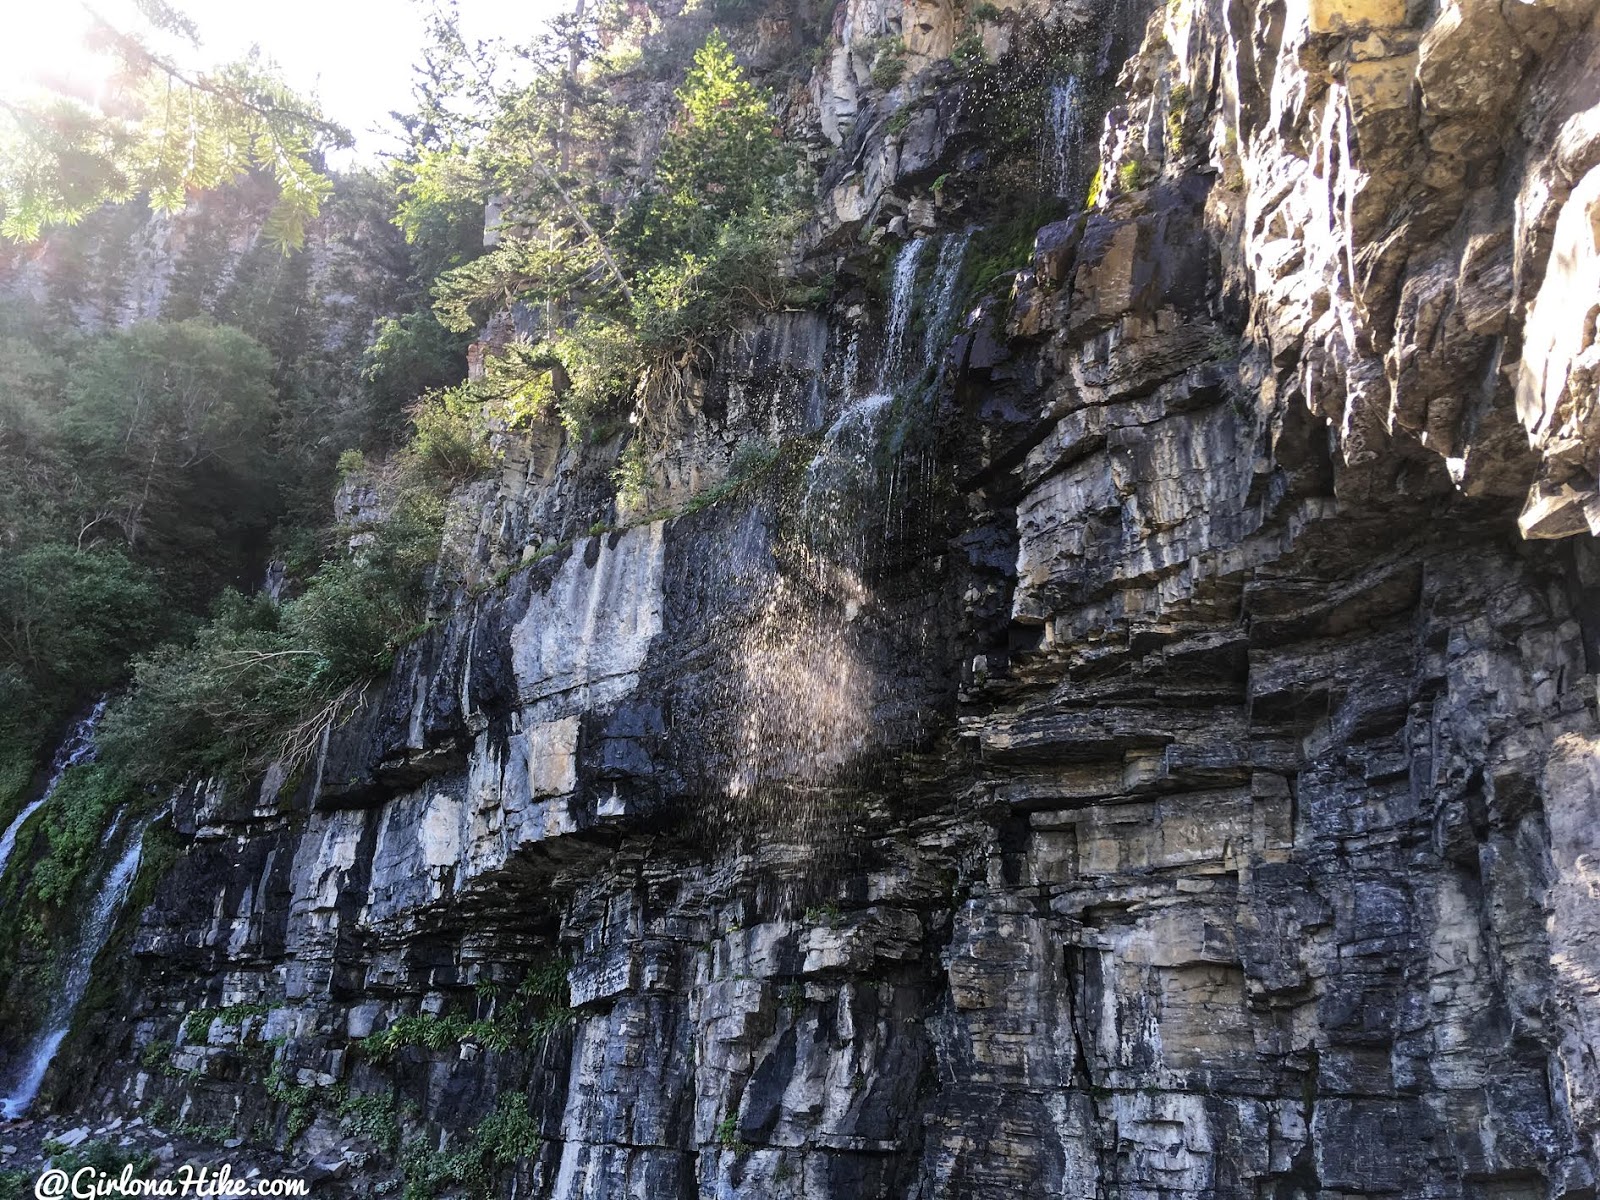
(721, 159)
(631, 298)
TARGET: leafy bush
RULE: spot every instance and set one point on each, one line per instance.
(447, 444)
(509, 1132)
(537, 1007)
(373, 1116)
(720, 158)
(889, 62)
(261, 681)
(430, 1173)
(506, 1134)
(68, 617)
(968, 53)
(299, 1100)
(409, 354)
(439, 210)
(197, 1023)
(74, 822)
(629, 299)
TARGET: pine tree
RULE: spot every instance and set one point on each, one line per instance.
(158, 131)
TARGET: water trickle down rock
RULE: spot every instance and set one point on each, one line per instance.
(77, 748)
(1062, 153)
(803, 696)
(942, 295)
(41, 1051)
(902, 292)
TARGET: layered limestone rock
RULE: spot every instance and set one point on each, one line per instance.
(1406, 210)
(1144, 757)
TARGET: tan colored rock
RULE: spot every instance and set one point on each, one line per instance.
(1343, 16)
(1381, 84)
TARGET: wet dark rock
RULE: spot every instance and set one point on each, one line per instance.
(1178, 782)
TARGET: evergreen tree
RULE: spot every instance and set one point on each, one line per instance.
(159, 130)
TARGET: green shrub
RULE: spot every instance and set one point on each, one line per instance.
(75, 819)
(298, 1099)
(426, 1030)
(889, 63)
(430, 1173)
(410, 354)
(641, 292)
(447, 445)
(68, 617)
(968, 53)
(261, 682)
(632, 475)
(509, 1132)
(197, 1024)
(372, 1116)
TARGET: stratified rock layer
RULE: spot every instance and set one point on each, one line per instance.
(1181, 781)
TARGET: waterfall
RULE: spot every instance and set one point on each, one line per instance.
(1064, 127)
(801, 693)
(946, 277)
(77, 748)
(850, 371)
(832, 505)
(91, 940)
(901, 293)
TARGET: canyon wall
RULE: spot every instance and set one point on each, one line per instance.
(1131, 733)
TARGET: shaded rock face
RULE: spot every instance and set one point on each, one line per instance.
(1175, 776)
(126, 264)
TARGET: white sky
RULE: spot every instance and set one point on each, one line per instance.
(356, 55)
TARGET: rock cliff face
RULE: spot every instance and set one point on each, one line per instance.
(1145, 747)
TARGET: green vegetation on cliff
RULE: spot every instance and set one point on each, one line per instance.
(151, 469)
(630, 294)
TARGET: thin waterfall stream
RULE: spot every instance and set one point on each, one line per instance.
(28, 1070)
(902, 291)
(1064, 129)
(806, 684)
(41, 1050)
(78, 747)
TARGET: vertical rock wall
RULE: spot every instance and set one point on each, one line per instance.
(1200, 783)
